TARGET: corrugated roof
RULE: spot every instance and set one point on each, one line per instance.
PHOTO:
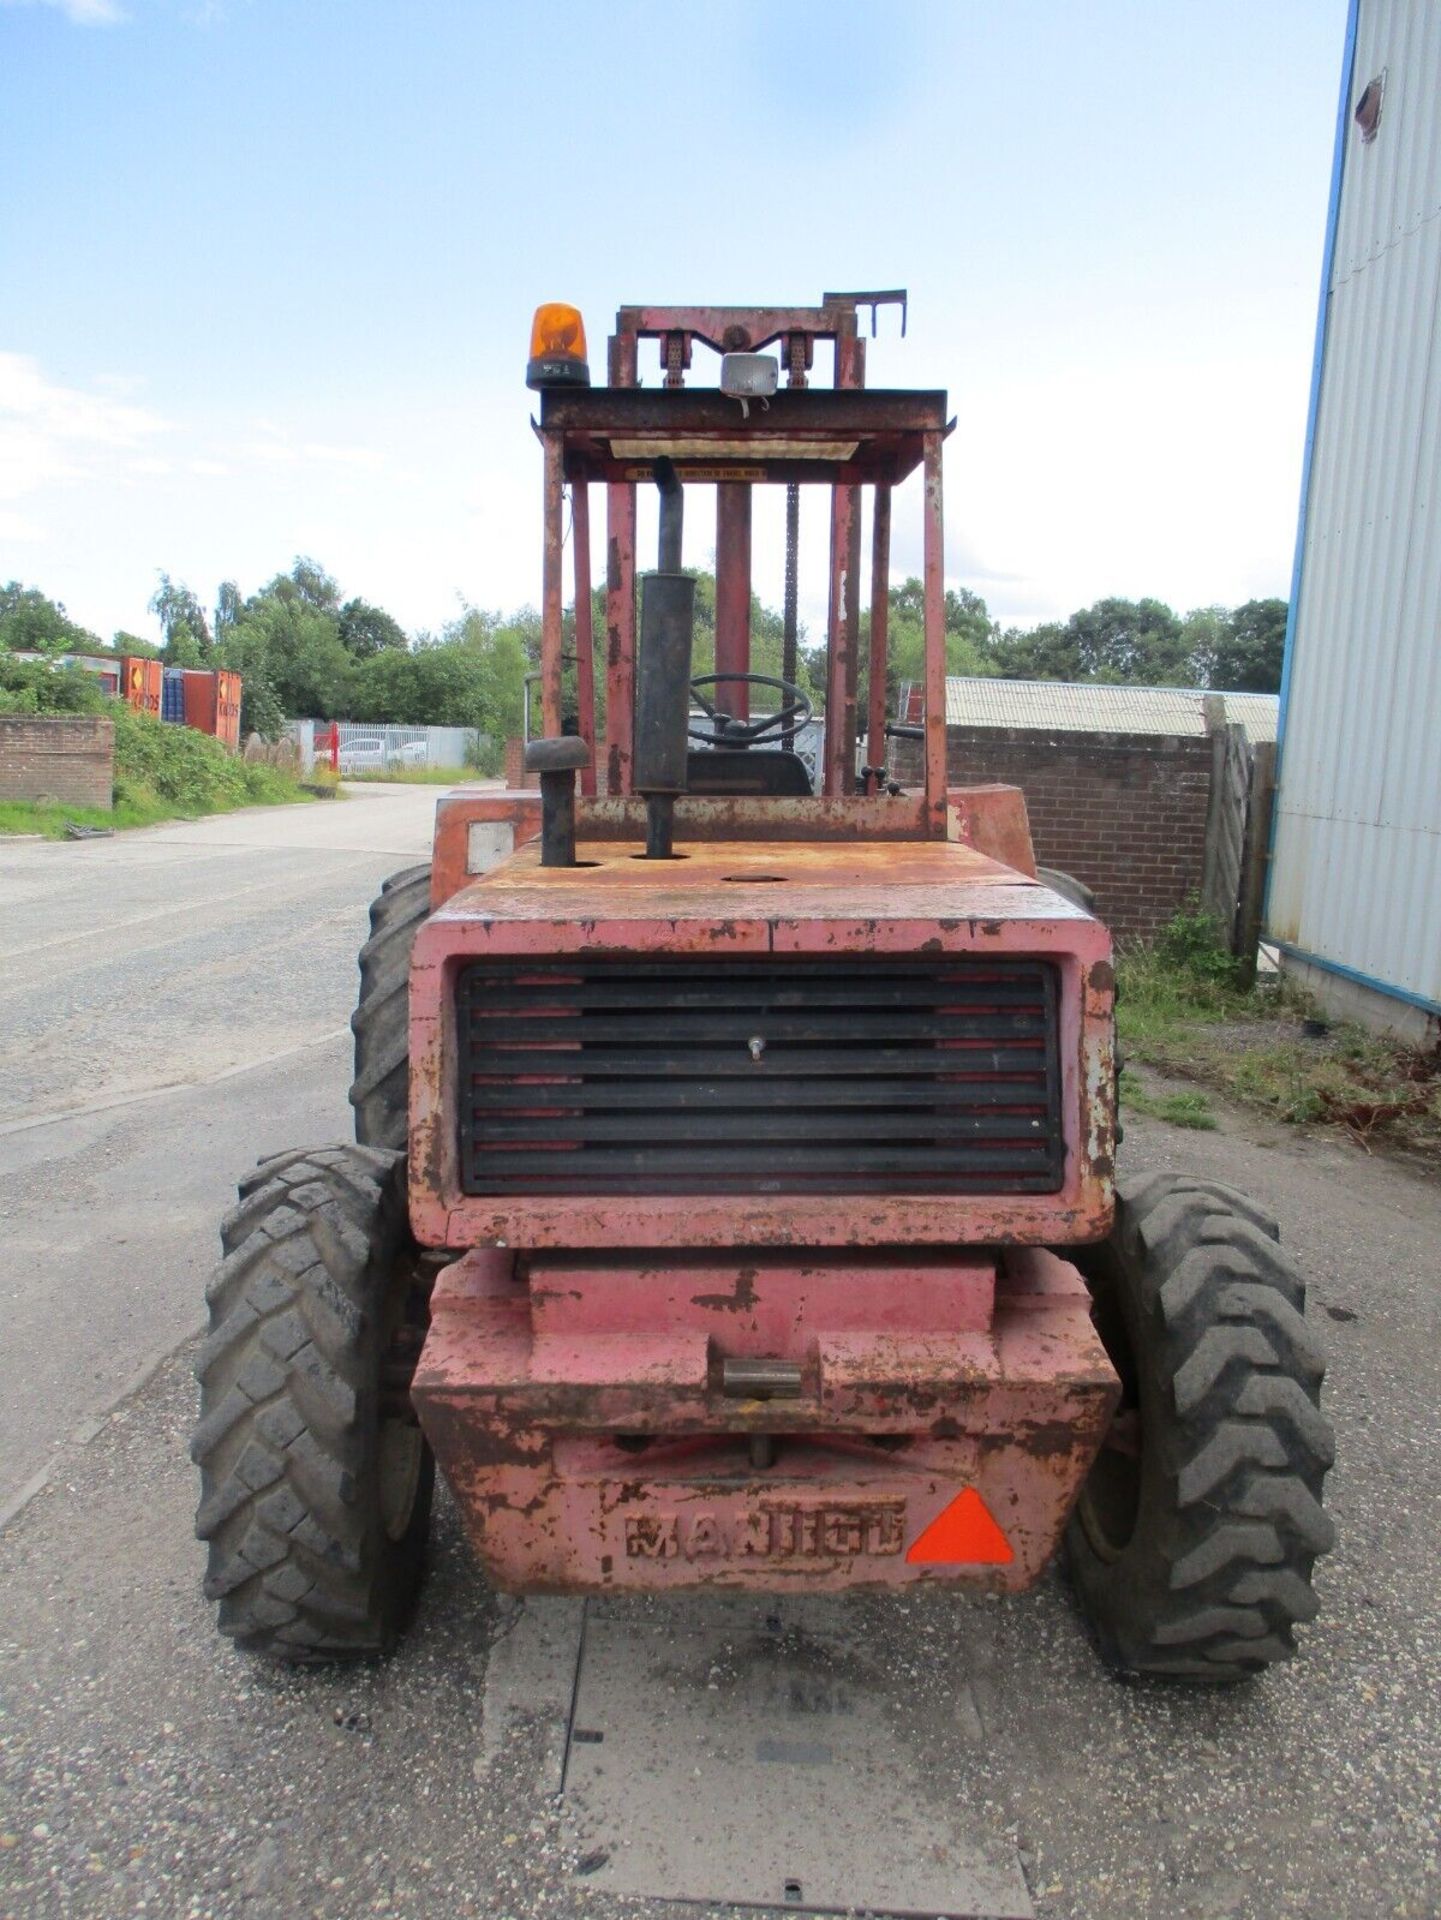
(1086, 707)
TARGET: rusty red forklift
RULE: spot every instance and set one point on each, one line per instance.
(733, 1199)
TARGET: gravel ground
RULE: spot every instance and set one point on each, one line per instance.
(145, 1768)
(170, 1001)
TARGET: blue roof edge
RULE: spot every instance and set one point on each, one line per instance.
(1313, 408)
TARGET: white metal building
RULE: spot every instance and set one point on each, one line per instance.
(1354, 899)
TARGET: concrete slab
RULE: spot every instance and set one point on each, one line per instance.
(750, 1750)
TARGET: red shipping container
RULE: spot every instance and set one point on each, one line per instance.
(212, 703)
(141, 683)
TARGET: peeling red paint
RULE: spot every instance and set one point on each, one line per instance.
(526, 1399)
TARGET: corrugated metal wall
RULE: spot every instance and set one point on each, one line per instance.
(1356, 877)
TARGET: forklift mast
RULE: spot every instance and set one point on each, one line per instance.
(843, 437)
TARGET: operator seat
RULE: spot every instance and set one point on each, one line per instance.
(771, 771)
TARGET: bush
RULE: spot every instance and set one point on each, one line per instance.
(1192, 942)
(33, 686)
(186, 771)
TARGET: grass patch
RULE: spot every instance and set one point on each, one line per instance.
(418, 776)
(50, 822)
(1180, 1109)
(1182, 1008)
(162, 772)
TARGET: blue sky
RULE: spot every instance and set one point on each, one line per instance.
(268, 267)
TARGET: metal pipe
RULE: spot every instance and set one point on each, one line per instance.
(584, 628)
(620, 599)
(552, 591)
(557, 761)
(838, 766)
(672, 516)
(557, 819)
(789, 644)
(660, 826)
(662, 707)
(667, 640)
(620, 519)
(935, 602)
(880, 626)
(733, 592)
(844, 621)
(760, 1378)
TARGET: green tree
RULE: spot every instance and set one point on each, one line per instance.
(970, 639)
(228, 608)
(245, 648)
(307, 582)
(307, 666)
(31, 623)
(366, 630)
(182, 649)
(970, 633)
(1049, 651)
(131, 643)
(183, 623)
(1140, 641)
(1204, 631)
(285, 643)
(1250, 656)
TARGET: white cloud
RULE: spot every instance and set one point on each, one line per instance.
(52, 433)
(17, 527)
(80, 13)
(273, 447)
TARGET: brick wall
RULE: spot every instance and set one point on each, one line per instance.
(69, 760)
(1126, 813)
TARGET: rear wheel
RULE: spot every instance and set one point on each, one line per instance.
(315, 1476)
(1193, 1541)
(381, 1022)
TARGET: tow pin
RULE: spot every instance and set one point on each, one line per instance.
(757, 1047)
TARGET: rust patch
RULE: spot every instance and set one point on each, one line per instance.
(739, 1300)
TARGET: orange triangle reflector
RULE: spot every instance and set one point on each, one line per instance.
(964, 1534)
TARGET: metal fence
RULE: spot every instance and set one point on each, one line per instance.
(360, 747)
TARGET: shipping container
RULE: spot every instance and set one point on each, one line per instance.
(172, 702)
(212, 703)
(142, 684)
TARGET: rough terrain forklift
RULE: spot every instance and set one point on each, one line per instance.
(733, 1199)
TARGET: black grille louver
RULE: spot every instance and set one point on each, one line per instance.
(873, 1075)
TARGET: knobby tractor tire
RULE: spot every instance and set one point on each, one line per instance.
(315, 1478)
(1193, 1541)
(381, 1022)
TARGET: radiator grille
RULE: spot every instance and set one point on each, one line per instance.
(856, 1075)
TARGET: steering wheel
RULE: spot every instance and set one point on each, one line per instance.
(795, 710)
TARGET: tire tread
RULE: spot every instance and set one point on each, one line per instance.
(380, 1090)
(288, 1377)
(1244, 1444)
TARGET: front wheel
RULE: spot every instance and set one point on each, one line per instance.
(315, 1476)
(1193, 1541)
(381, 1022)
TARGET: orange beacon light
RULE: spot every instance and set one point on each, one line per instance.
(557, 348)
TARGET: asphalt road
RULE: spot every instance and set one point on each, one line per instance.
(173, 1003)
(147, 1768)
